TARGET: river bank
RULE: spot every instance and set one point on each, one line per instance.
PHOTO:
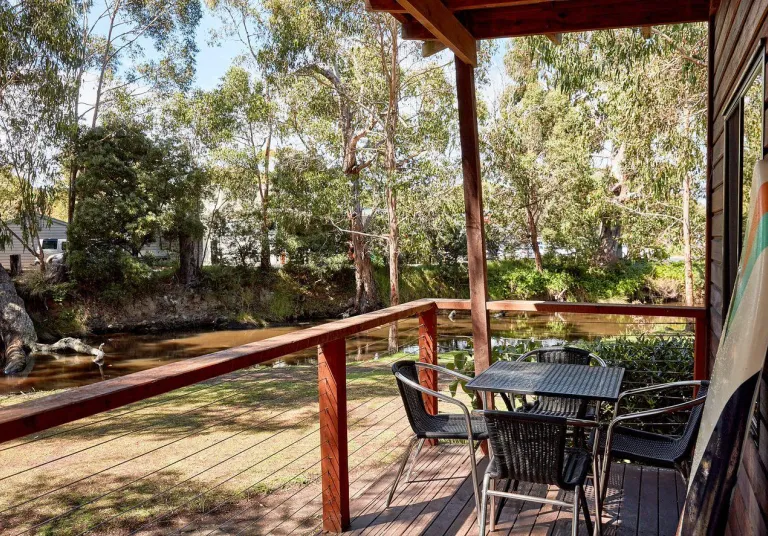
(244, 298)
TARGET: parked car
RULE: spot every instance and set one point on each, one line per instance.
(53, 250)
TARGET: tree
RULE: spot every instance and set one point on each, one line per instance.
(651, 96)
(318, 41)
(112, 35)
(539, 148)
(132, 189)
(36, 39)
(236, 121)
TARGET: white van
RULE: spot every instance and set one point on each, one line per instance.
(53, 249)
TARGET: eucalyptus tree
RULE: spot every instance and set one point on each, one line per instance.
(320, 41)
(36, 43)
(539, 147)
(651, 95)
(414, 99)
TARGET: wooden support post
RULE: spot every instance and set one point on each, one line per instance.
(428, 354)
(473, 206)
(332, 389)
(700, 371)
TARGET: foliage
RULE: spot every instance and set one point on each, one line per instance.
(131, 190)
(37, 38)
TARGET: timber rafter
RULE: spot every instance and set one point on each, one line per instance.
(490, 19)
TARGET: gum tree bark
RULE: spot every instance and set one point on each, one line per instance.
(16, 328)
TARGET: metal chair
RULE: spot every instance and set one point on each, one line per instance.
(649, 448)
(564, 407)
(532, 448)
(441, 426)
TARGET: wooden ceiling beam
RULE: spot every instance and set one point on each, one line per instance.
(391, 6)
(570, 16)
(443, 25)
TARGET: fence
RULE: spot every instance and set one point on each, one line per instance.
(190, 430)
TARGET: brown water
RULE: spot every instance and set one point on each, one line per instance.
(127, 353)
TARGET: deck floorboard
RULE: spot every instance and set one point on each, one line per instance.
(641, 501)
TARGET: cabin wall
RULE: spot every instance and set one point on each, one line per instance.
(57, 229)
(735, 33)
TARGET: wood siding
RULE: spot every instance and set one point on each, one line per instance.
(57, 229)
(735, 33)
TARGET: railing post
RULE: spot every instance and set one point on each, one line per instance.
(428, 354)
(332, 390)
(700, 348)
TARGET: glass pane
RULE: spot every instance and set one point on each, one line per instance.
(753, 141)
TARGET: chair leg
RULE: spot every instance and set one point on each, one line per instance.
(400, 471)
(493, 506)
(503, 500)
(413, 462)
(575, 521)
(473, 472)
(585, 510)
(597, 486)
(483, 504)
(605, 476)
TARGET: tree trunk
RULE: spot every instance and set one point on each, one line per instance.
(390, 164)
(264, 193)
(687, 254)
(365, 286)
(189, 266)
(104, 64)
(16, 328)
(394, 269)
(534, 234)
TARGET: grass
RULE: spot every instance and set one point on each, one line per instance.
(247, 439)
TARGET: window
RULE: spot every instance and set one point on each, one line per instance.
(50, 243)
(744, 146)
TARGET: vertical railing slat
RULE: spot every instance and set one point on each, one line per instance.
(332, 390)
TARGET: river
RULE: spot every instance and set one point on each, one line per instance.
(127, 353)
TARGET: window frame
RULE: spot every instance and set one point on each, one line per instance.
(733, 184)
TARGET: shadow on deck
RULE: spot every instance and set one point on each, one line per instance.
(438, 500)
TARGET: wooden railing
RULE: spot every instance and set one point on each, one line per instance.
(58, 409)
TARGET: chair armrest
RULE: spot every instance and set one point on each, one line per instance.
(659, 411)
(440, 396)
(443, 370)
(653, 388)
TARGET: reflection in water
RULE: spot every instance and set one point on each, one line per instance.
(127, 353)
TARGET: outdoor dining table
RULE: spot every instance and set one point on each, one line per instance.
(550, 379)
(566, 380)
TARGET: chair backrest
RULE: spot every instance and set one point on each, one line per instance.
(412, 399)
(562, 355)
(527, 447)
(690, 432)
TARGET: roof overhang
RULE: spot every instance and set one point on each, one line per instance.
(459, 23)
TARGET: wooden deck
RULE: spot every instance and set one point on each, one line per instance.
(641, 501)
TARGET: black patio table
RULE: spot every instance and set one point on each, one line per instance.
(550, 379)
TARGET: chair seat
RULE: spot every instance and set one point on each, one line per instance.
(576, 465)
(451, 426)
(557, 407)
(643, 447)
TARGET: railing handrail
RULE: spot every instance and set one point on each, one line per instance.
(675, 311)
(61, 408)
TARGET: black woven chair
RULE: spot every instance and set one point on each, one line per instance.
(532, 448)
(442, 426)
(624, 443)
(565, 407)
